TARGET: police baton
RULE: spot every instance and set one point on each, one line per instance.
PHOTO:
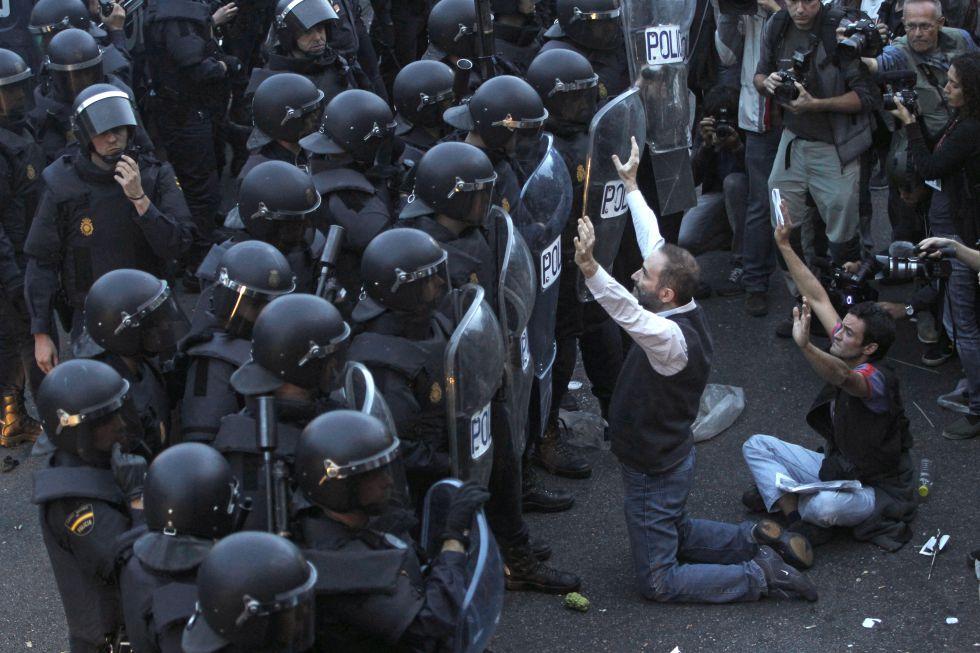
(484, 39)
(267, 436)
(327, 286)
(461, 80)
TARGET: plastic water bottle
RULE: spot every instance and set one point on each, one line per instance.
(925, 477)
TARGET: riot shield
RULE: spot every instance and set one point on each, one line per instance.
(657, 48)
(474, 369)
(483, 602)
(604, 198)
(515, 297)
(546, 203)
(362, 395)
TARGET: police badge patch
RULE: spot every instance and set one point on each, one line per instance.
(86, 227)
(580, 173)
(82, 521)
(31, 172)
(504, 203)
(603, 93)
(435, 393)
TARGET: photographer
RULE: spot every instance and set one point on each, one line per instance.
(859, 413)
(827, 100)
(925, 51)
(719, 168)
(953, 169)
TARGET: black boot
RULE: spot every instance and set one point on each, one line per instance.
(557, 457)
(541, 549)
(524, 572)
(791, 546)
(537, 498)
(783, 581)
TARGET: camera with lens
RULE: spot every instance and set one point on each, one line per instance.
(899, 85)
(724, 125)
(786, 92)
(861, 39)
(906, 261)
(844, 288)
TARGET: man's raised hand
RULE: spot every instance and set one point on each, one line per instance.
(584, 243)
(628, 171)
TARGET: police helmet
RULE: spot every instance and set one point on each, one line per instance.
(453, 179)
(294, 17)
(502, 109)
(287, 107)
(16, 88)
(593, 24)
(277, 202)
(101, 108)
(77, 402)
(423, 90)
(48, 17)
(357, 123)
(250, 275)
(190, 490)
(567, 84)
(405, 270)
(298, 339)
(337, 453)
(452, 27)
(255, 592)
(75, 61)
(131, 312)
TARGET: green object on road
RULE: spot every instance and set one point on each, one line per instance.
(575, 601)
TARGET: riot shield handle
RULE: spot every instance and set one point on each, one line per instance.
(266, 436)
(327, 285)
(484, 39)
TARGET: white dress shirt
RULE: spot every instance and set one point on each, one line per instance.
(660, 338)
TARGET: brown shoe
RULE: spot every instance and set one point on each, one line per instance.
(18, 427)
(557, 457)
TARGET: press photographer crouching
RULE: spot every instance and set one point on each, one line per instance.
(827, 97)
(860, 415)
(719, 168)
(952, 167)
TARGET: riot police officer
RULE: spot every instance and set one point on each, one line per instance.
(504, 116)
(191, 80)
(403, 343)
(517, 30)
(356, 173)
(73, 63)
(21, 163)
(49, 17)
(255, 592)
(134, 319)
(454, 185)
(350, 39)
(301, 46)
(285, 108)
(594, 29)
(568, 86)
(250, 275)
(343, 467)
(423, 90)
(105, 206)
(89, 492)
(299, 349)
(190, 500)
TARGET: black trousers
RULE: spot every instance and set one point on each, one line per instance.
(17, 364)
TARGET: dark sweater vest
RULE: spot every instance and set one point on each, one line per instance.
(651, 415)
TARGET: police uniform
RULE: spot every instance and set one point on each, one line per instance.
(407, 362)
(21, 164)
(330, 72)
(82, 513)
(518, 44)
(208, 394)
(158, 589)
(612, 66)
(192, 87)
(350, 39)
(371, 592)
(148, 392)
(85, 226)
(270, 150)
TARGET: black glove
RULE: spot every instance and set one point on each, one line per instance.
(129, 471)
(467, 501)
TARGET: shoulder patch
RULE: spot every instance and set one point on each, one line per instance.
(81, 521)
(580, 173)
(505, 204)
(435, 393)
(86, 227)
(31, 172)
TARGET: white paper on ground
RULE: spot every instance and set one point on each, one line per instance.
(789, 484)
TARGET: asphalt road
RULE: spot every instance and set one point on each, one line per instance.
(856, 580)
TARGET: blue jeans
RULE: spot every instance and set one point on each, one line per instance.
(758, 249)
(662, 535)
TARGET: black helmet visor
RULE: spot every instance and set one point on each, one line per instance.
(17, 95)
(305, 14)
(160, 320)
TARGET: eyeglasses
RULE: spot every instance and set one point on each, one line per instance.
(919, 27)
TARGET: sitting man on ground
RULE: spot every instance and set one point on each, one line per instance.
(859, 413)
(670, 361)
